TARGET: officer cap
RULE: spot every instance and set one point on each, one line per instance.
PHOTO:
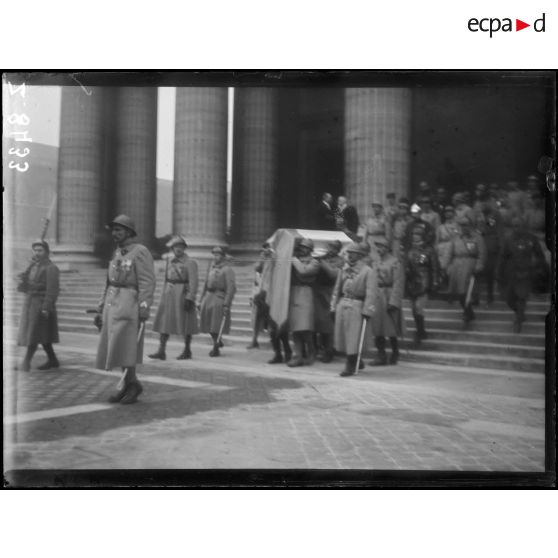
(404, 202)
(307, 243)
(123, 221)
(377, 202)
(449, 208)
(218, 250)
(463, 220)
(356, 248)
(177, 240)
(42, 243)
(415, 208)
(381, 241)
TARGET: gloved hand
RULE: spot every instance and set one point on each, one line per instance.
(226, 310)
(143, 314)
(392, 309)
(365, 317)
(98, 321)
(332, 314)
(44, 314)
(189, 305)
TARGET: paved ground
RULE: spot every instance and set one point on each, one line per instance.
(238, 412)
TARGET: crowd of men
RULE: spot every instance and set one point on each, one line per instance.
(337, 302)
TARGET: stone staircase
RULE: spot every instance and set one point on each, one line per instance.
(490, 343)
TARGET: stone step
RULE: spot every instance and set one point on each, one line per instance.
(475, 361)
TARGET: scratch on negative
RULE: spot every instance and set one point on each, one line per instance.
(88, 92)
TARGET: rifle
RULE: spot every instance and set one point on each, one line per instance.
(23, 277)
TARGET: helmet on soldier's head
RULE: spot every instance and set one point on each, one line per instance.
(218, 250)
(123, 221)
(176, 241)
(42, 243)
(415, 208)
(356, 248)
(306, 243)
(335, 244)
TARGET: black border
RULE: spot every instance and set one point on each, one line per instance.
(303, 478)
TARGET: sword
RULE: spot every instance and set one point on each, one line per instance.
(221, 328)
(360, 344)
(470, 290)
(121, 382)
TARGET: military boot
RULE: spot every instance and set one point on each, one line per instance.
(381, 357)
(52, 361)
(276, 345)
(187, 352)
(297, 359)
(394, 357)
(161, 354)
(350, 366)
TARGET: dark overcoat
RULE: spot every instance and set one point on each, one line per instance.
(218, 291)
(41, 295)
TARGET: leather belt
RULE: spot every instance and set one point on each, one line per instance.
(346, 297)
(122, 285)
(215, 290)
(177, 282)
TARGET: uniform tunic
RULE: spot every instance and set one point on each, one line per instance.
(354, 295)
(301, 296)
(376, 227)
(444, 236)
(390, 292)
(218, 292)
(181, 284)
(43, 289)
(130, 282)
(432, 218)
(397, 234)
(465, 256)
(323, 289)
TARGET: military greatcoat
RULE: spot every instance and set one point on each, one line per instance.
(301, 296)
(181, 284)
(42, 292)
(354, 295)
(390, 293)
(130, 283)
(465, 256)
(218, 291)
(323, 289)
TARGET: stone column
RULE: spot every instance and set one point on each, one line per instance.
(200, 165)
(377, 145)
(80, 171)
(254, 204)
(136, 151)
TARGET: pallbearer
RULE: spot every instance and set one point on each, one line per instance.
(40, 283)
(305, 269)
(124, 306)
(216, 299)
(387, 321)
(353, 303)
(177, 314)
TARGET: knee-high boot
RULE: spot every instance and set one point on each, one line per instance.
(187, 352)
(215, 351)
(276, 346)
(350, 366)
(310, 348)
(297, 359)
(52, 361)
(394, 357)
(381, 358)
(284, 338)
(26, 364)
(161, 351)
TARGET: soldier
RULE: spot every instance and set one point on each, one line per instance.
(396, 233)
(464, 259)
(260, 309)
(462, 207)
(489, 224)
(421, 278)
(391, 208)
(387, 320)
(418, 225)
(353, 300)
(216, 299)
(445, 233)
(376, 226)
(305, 269)
(177, 314)
(428, 215)
(124, 304)
(39, 324)
(330, 264)
(521, 258)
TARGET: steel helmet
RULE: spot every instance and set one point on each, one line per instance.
(307, 243)
(123, 221)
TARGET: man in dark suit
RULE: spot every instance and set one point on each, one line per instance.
(325, 214)
(347, 218)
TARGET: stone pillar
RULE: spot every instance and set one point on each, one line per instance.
(377, 145)
(136, 151)
(254, 190)
(80, 172)
(200, 166)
